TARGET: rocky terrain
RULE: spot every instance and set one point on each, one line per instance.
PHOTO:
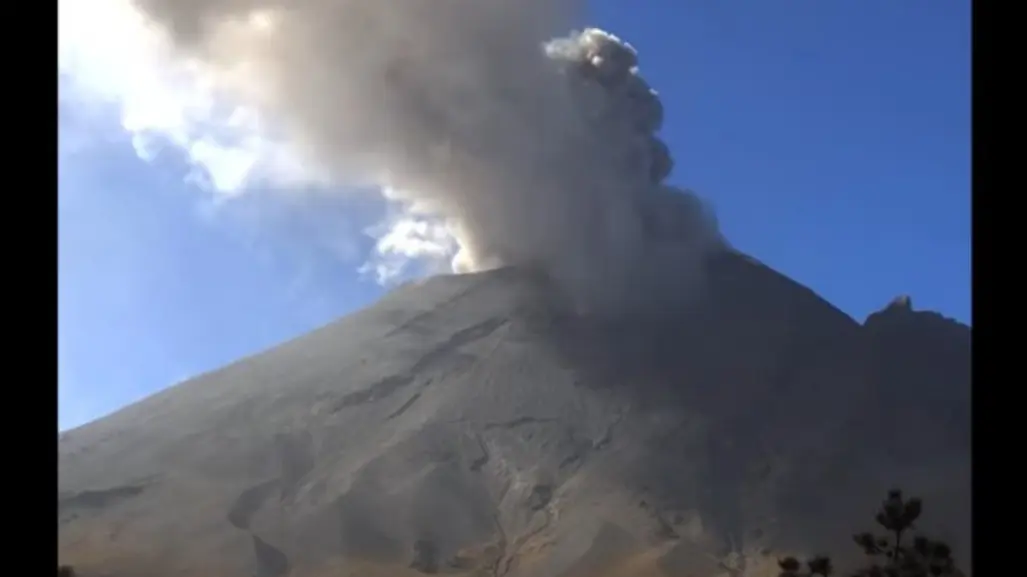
(463, 426)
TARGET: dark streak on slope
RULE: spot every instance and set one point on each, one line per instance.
(296, 458)
(403, 408)
(271, 562)
(417, 319)
(248, 502)
(483, 457)
(518, 422)
(459, 339)
(388, 386)
(97, 499)
(377, 391)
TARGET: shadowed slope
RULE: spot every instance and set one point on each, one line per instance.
(463, 426)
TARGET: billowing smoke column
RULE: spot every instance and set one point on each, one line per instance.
(537, 152)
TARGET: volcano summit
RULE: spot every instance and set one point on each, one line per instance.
(465, 425)
(605, 390)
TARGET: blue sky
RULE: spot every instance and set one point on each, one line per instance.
(832, 137)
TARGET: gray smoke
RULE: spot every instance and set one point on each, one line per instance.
(539, 152)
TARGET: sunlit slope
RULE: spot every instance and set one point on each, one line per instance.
(465, 425)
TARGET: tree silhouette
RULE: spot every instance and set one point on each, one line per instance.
(891, 555)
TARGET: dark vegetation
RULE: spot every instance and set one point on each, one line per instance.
(896, 553)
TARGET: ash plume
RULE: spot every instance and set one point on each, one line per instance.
(536, 147)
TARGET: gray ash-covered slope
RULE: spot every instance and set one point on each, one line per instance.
(460, 426)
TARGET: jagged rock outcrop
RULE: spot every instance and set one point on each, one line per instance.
(462, 426)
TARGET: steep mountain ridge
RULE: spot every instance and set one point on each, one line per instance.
(464, 425)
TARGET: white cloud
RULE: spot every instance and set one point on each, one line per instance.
(109, 54)
(409, 245)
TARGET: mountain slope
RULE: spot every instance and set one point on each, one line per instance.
(464, 426)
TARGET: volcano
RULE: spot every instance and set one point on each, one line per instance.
(464, 425)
